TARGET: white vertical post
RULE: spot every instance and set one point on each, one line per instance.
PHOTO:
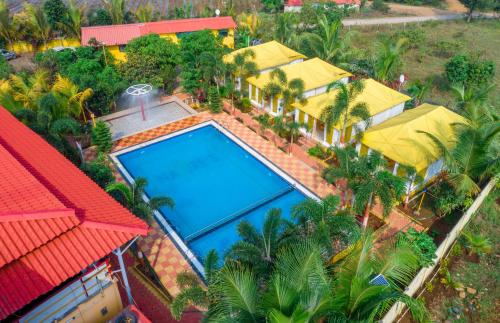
(297, 115)
(358, 148)
(119, 255)
(395, 169)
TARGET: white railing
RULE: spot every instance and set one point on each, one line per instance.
(423, 275)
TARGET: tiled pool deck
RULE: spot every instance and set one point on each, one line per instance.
(162, 253)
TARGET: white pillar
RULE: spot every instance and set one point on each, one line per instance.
(250, 91)
(324, 135)
(358, 148)
(119, 255)
(238, 80)
(297, 115)
(395, 169)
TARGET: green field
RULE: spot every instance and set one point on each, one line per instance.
(441, 39)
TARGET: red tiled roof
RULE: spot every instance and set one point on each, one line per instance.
(298, 3)
(122, 34)
(54, 220)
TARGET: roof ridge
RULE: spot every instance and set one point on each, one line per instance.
(37, 215)
(114, 227)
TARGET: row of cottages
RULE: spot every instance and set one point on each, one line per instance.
(58, 232)
(386, 107)
(116, 37)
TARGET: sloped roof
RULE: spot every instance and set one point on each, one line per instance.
(377, 96)
(314, 72)
(54, 220)
(122, 34)
(400, 140)
(268, 55)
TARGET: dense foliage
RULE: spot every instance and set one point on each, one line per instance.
(421, 243)
(101, 137)
(151, 59)
(469, 71)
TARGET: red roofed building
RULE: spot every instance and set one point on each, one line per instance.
(115, 37)
(296, 5)
(55, 222)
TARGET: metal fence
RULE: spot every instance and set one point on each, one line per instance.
(423, 275)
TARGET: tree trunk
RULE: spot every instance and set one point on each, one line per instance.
(366, 215)
(291, 144)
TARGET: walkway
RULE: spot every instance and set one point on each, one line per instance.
(399, 20)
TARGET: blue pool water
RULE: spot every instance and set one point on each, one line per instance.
(215, 184)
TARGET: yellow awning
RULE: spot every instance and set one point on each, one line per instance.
(377, 96)
(268, 55)
(398, 138)
(314, 72)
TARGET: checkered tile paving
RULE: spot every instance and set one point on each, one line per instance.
(161, 252)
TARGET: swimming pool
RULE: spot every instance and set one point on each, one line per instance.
(215, 180)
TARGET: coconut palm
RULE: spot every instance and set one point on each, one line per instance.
(7, 28)
(75, 19)
(329, 44)
(252, 23)
(259, 248)
(264, 121)
(116, 10)
(419, 90)
(388, 59)
(243, 67)
(285, 28)
(289, 91)
(344, 109)
(39, 23)
(471, 101)
(322, 221)
(358, 298)
(144, 12)
(132, 198)
(475, 154)
(293, 130)
(477, 243)
(71, 98)
(344, 170)
(27, 92)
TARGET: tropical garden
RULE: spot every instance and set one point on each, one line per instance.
(327, 264)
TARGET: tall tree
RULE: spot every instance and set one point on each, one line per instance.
(477, 5)
(55, 10)
(72, 99)
(116, 9)
(75, 19)
(389, 58)
(243, 67)
(39, 23)
(252, 24)
(344, 109)
(330, 43)
(284, 31)
(28, 91)
(7, 28)
(144, 12)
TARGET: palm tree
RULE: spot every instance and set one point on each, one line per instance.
(471, 101)
(39, 23)
(388, 60)
(252, 23)
(418, 90)
(28, 91)
(475, 154)
(344, 109)
(259, 249)
(358, 298)
(373, 182)
(290, 91)
(322, 221)
(7, 28)
(330, 44)
(285, 28)
(75, 19)
(264, 121)
(116, 9)
(144, 12)
(293, 130)
(132, 198)
(72, 100)
(344, 170)
(243, 67)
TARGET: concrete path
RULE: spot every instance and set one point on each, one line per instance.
(399, 20)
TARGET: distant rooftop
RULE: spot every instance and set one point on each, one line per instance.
(121, 34)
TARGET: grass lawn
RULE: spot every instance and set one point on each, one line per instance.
(438, 42)
(482, 274)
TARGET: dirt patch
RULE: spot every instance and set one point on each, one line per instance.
(23, 63)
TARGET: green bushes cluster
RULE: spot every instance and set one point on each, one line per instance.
(469, 70)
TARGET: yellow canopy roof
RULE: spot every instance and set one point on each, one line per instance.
(377, 96)
(398, 138)
(314, 72)
(268, 55)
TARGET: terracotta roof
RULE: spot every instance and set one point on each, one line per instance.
(54, 220)
(122, 34)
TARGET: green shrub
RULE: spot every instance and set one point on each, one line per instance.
(416, 36)
(457, 69)
(244, 105)
(318, 151)
(445, 48)
(421, 243)
(444, 199)
(4, 68)
(99, 171)
(380, 5)
(214, 101)
(101, 137)
(467, 70)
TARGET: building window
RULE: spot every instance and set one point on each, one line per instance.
(223, 32)
(121, 48)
